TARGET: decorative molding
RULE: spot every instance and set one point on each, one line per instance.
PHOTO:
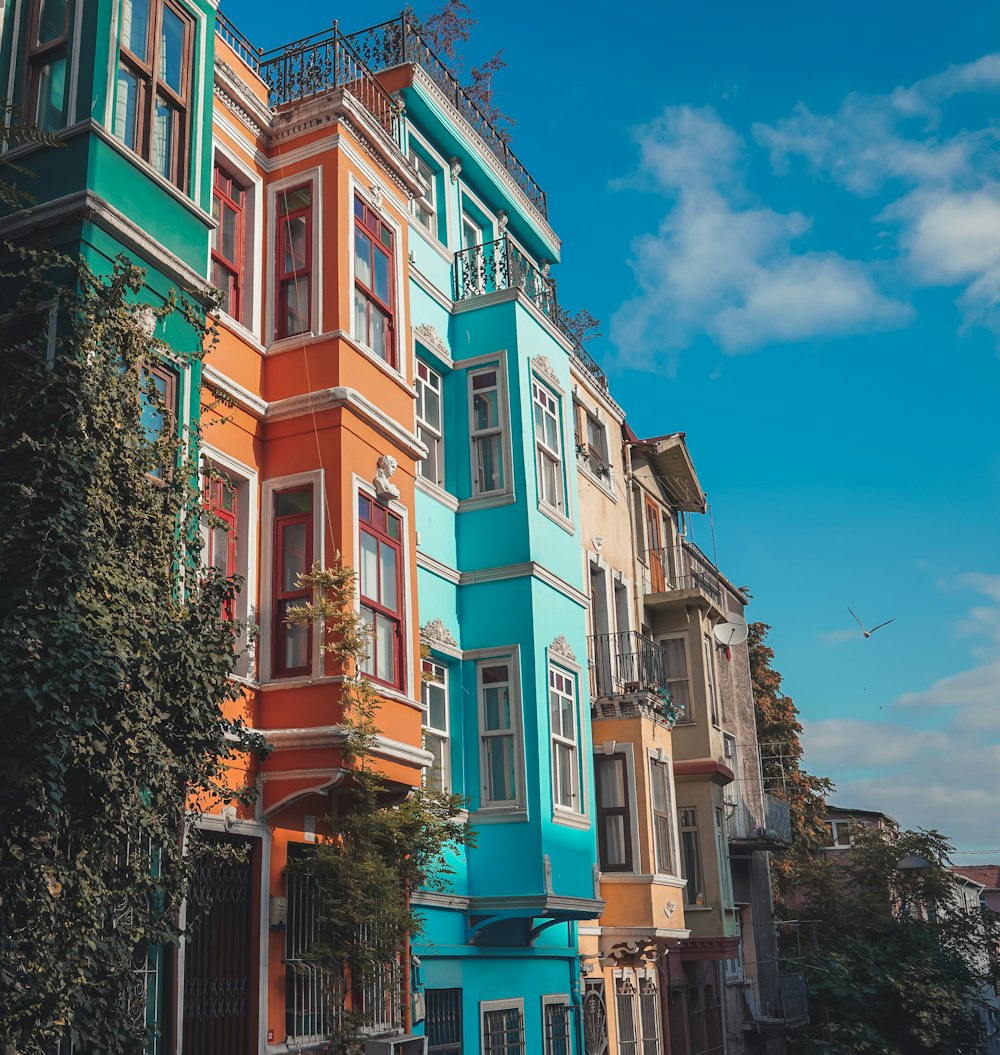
(502, 220)
(547, 864)
(436, 633)
(669, 908)
(144, 319)
(377, 195)
(598, 543)
(436, 567)
(432, 340)
(454, 168)
(542, 364)
(561, 647)
(385, 490)
(597, 880)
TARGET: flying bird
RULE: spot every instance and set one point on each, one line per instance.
(868, 633)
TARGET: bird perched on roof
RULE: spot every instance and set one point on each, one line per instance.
(864, 630)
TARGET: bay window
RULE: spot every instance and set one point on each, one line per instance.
(659, 782)
(152, 106)
(292, 557)
(548, 445)
(487, 432)
(45, 100)
(614, 824)
(499, 763)
(434, 696)
(293, 263)
(425, 207)
(228, 200)
(373, 283)
(565, 754)
(429, 423)
(220, 531)
(381, 584)
(678, 683)
(687, 817)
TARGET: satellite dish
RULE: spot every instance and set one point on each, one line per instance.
(734, 631)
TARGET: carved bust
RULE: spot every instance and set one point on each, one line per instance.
(385, 490)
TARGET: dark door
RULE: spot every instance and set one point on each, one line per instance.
(220, 987)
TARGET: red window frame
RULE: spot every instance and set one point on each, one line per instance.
(285, 280)
(223, 198)
(216, 489)
(382, 241)
(374, 520)
(282, 599)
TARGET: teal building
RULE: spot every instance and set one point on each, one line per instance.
(500, 574)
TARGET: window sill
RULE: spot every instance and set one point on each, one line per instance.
(377, 361)
(273, 683)
(569, 819)
(468, 505)
(603, 482)
(291, 344)
(439, 494)
(557, 517)
(500, 815)
(239, 330)
(432, 240)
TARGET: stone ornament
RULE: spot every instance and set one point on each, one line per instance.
(385, 490)
(542, 364)
(548, 874)
(561, 647)
(436, 633)
(376, 194)
(145, 320)
(669, 908)
(454, 168)
(430, 338)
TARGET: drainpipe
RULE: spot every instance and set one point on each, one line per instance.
(630, 507)
(576, 986)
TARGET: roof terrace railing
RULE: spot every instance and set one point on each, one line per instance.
(498, 265)
(239, 43)
(396, 42)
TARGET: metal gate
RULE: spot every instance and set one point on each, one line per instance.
(595, 1019)
(220, 1005)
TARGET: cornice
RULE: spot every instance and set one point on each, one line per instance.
(326, 736)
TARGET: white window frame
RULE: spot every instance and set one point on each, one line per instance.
(485, 1007)
(722, 853)
(550, 405)
(493, 657)
(314, 177)
(429, 220)
(556, 1000)
(688, 716)
(632, 796)
(247, 486)
(253, 240)
(711, 679)
(436, 432)
(431, 732)
(655, 762)
(696, 828)
(316, 478)
(561, 742)
(502, 429)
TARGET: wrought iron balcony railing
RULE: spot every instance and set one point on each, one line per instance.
(588, 362)
(682, 567)
(396, 42)
(629, 664)
(774, 998)
(501, 265)
(324, 61)
(757, 820)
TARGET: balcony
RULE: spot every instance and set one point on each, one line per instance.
(306, 68)
(757, 821)
(396, 42)
(499, 265)
(628, 678)
(682, 571)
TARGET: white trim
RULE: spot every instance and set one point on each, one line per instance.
(573, 817)
(501, 1005)
(661, 758)
(314, 177)
(438, 568)
(439, 494)
(511, 654)
(433, 291)
(626, 748)
(645, 878)
(74, 50)
(317, 478)
(442, 735)
(497, 362)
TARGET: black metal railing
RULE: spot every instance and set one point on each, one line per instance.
(682, 567)
(326, 61)
(775, 997)
(396, 42)
(580, 353)
(757, 818)
(626, 663)
(500, 265)
(237, 42)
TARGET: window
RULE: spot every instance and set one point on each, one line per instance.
(722, 853)
(555, 1021)
(659, 783)
(425, 208)
(473, 259)
(228, 199)
(373, 283)
(307, 987)
(443, 1021)
(220, 530)
(677, 674)
(549, 446)
(381, 583)
(158, 412)
(649, 1016)
(429, 423)
(154, 82)
(434, 694)
(628, 1041)
(565, 765)
(498, 725)
(45, 99)
(293, 556)
(691, 852)
(488, 440)
(614, 824)
(713, 694)
(293, 267)
(503, 1027)
(592, 441)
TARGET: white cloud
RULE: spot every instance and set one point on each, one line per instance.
(945, 188)
(943, 777)
(725, 265)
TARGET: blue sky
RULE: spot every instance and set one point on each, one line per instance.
(788, 219)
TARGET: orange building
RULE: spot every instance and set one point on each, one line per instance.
(310, 448)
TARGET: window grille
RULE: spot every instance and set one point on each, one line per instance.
(649, 1017)
(380, 994)
(503, 1031)
(308, 987)
(625, 1006)
(557, 1032)
(443, 1021)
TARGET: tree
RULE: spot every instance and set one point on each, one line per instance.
(116, 663)
(380, 846)
(580, 325)
(894, 964)
(778, 733)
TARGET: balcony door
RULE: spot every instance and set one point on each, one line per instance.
(600, 629)
(474, 268)
(654, 547)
